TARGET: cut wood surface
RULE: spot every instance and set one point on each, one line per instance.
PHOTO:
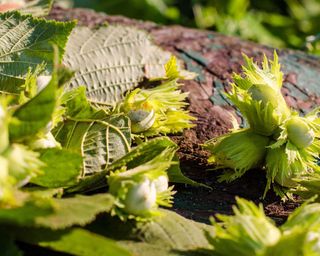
(215, 57)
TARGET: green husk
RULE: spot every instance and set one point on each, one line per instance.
(299, 132)
(241, 150)
(286, 144)
(257, 95)
(250, 233)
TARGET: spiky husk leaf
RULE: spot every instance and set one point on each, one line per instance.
(241, 150)
(159, 110)
(257, 95)
(293, 156)
(270, 74)
(248, 232)
(262, 118)
(287, 162)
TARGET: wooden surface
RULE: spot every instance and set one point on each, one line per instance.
(215, 57)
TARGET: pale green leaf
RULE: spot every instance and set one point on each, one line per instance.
(63, 168)
(57, 213)
(25, 215)
(103, 145)
(75, 241)
(175, 232)
(27, 42)
(144, 249)
(139, 155)
(111, 60)
(78, 210)
(101, 142)
(169, 234)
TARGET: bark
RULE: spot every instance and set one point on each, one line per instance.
(215, 57)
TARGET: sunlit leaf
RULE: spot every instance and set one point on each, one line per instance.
(111, 60)
(25, 43)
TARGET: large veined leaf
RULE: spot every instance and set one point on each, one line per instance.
(57, 213)
(168, 234)
(75, 241)
(101, 142)
(111, 60)
(139, 155)
(27, 42)
(78, 210)
(34, 7)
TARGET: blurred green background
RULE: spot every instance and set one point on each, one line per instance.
(278, 23)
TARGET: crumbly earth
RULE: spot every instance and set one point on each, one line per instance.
(215, 57)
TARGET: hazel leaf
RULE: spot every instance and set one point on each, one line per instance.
(111, 60)
(26, 43)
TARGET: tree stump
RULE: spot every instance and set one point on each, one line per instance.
(215, 57)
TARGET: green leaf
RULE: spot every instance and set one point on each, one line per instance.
(58, 213)
(112, 60)
(170, 234)
(7, 244)
(78, 106)
(25, 215)
(248, 232)
(139, 155)
(63, 168)
(175, 232)
(75, 241)
(175, 175)
(78, 210)
(27, 42)
(144, 249)
(144, 153)
(290, 244)
(35, 114)
(101, 142)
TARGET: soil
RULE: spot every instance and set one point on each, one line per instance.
(215, 57)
